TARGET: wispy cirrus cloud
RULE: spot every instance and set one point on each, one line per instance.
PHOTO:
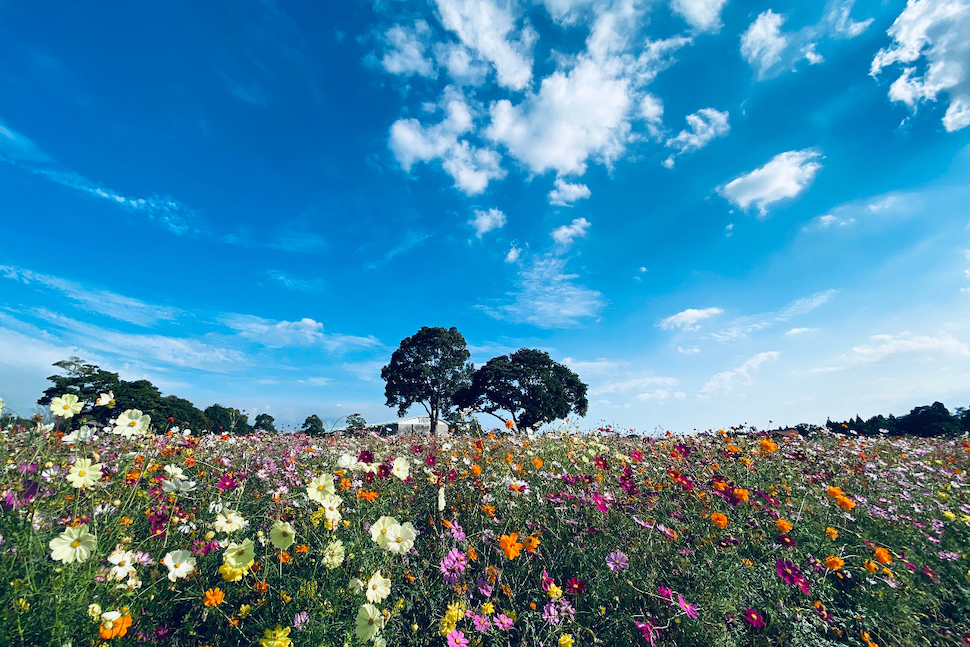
(726, 381)
(167, 212)
(744, 326)
(687, 319)
(411, 239)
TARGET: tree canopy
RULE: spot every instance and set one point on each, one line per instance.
(528, 385)
(313, 426)
(428, 368)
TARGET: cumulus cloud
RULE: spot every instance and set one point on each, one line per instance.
(939, 32)
(702, 15)
(513, 255)
(785, 176)
(905, 342)
(489, 29)
(687, 319)
(725, 382)
(471, 167)
(705, 125)
(841, 24)
(407, 47)
(565, 235)
(548, 297)
(485, 221)
(763, 42)
(566, 193)
(461, 64)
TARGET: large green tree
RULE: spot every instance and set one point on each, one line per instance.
(265, 422)
(528, 385)
(427, 369)
(313, 426)
(228, 420)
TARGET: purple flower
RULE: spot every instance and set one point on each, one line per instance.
(666, 594)
(949, 556)
(300, 619)
(457, 532)
(503, 622)
(617, 561)
(226, 483)
(753, 618)
(550, 613)
(484, 588)
(648, 631)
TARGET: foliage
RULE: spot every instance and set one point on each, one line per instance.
(228, 420)
(428, 368)
(313, 426)
(265, 422)
(924, 421)
(527, 384)
(356, 422)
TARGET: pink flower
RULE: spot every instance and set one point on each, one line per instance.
(689, 609)
(503, 622)
(648, 631)
(753, 618)
(457, 639)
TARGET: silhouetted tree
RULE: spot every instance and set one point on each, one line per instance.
(313, 426)
(265, 422)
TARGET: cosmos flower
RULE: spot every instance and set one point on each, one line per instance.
(66, 406)
(617, 561)
(73, 545)
(753, 618)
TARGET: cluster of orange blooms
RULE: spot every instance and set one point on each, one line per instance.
(844, 502)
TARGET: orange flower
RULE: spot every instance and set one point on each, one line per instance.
(835, 492)
(489, 510)
(190, 462)
(285, 557)
(510, 545)
(126, 521)
(114, 628)
(213, 597)
(883, 556)
(509, 458)
(719, 520)
(768, 446)
(476, 470)
(509, 424)
(845, 503)
(832, 533)
(741, 493)
(303, 548)
(537, 463)
(782, 525)
(472, 553)
(261, 586)
(834, 562)
(367, 495)
(870, 566)
(531, 543)
(345, 484)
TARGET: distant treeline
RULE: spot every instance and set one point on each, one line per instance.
(926, 422)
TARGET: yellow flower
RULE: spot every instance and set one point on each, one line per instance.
(231, 574)
(276, 637)
(832, 533)
(566, 640)
(488, 608)
(555, 592)
(949, 515)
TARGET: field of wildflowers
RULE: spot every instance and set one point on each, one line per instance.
(118, 536)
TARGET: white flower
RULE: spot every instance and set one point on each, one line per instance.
(378, 532)
(239, 555)
(132, 423)
(282, 535)
(66, 406)
(109, 618)
(334, 554)
(401, 468)
(400, 538)
(346, 462)
(378, 587)
(73, 545)
(441, 499)
(81, 434)
(229, 521)
(106, 399)
(174, 472)
(123, 563)
(180, 563)
(83, 473)
(178, 486)
(331, 505)
(1, 405)
(320, 487)
(369, 622)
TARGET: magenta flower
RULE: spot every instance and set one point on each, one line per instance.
(226, 483)
(788, 571)
(648, 631)
(503, 622)
(457, 532)
(753, 618)
(457, 639)
(689, 609)
(482, 623)
(666, 594)
(575, 586)
(617, 561)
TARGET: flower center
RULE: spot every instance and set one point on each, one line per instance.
(81, 473)
(66, 407)
(178, 564)
(133, 423)
(75, 543)
(383, 531)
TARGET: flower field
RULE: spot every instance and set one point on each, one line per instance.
(119, 536)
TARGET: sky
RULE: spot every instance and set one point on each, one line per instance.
(715, 212)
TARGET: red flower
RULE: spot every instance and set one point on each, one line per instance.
(575, 586)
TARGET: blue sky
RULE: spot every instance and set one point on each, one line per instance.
(714, 211)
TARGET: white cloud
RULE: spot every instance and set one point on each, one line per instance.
(566, 12)
(565, 235)
(690, 350)
(96, 300)
(799, 331)
(939, 31)
(841, 23)
(652, 113)
(785, 176)
(906, 342)
(566, 193)
(297, 284)
(292, 334)
(471, 167)
(485, 221)
(703, 15)
(812, 56)
(460, 63)
(725, 382)
(661, 395)
(763, 42)
(548, 298)
(828, 220)
(630, 383)
(166, 211)
(743, 326)
(411, 239)
(407, 50)
(513, 255)
(705, 125)
(687, 320)
(489, 29)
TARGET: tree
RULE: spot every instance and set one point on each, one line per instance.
(228, 420)
(313, 426)
(182, 412)
(934, 420)
(527, 384)
(356, 422)
(265, 422)
(87, 382)
(427, 369)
